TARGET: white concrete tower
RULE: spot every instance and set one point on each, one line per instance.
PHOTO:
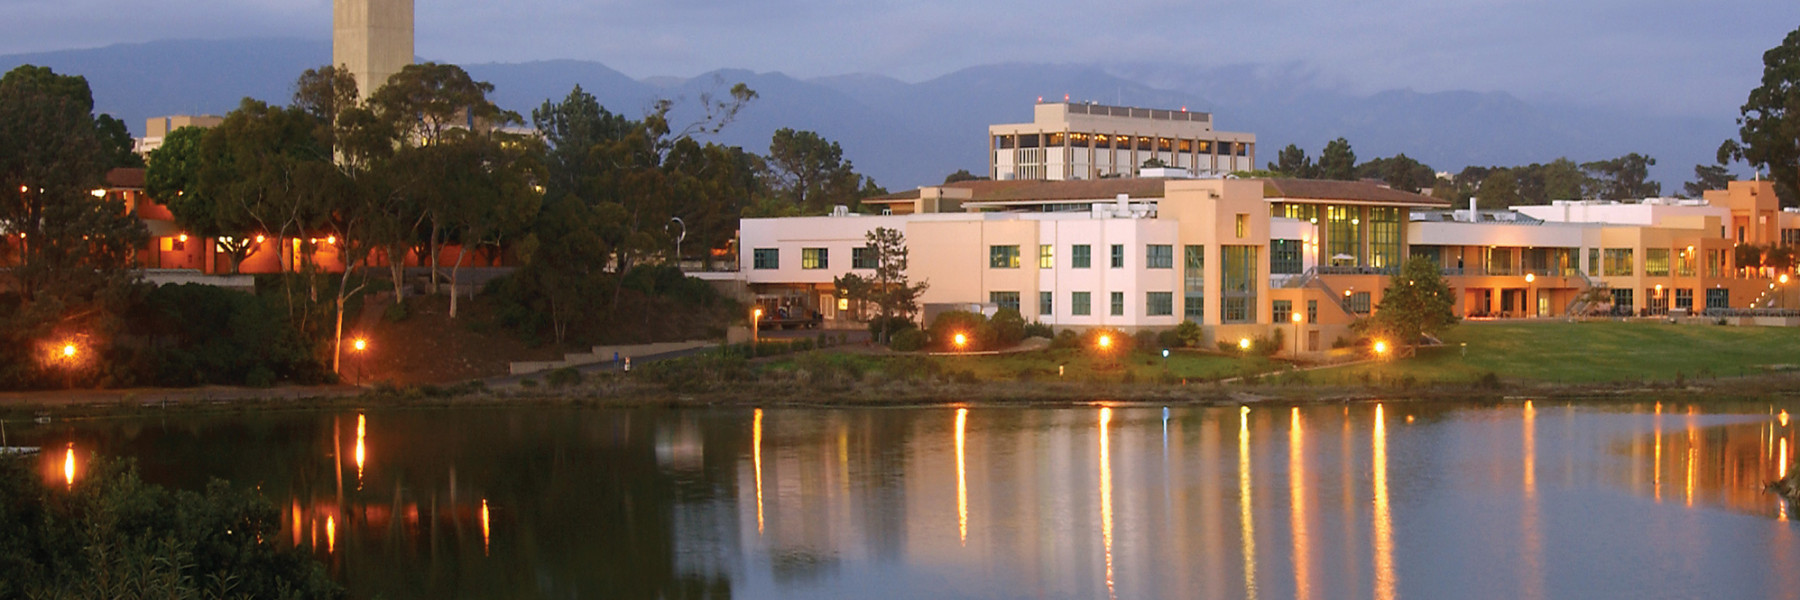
(373, 38)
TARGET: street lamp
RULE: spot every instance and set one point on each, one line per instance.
(678, 238)
(755, 329)
(359, 345)
(962, 341)
(1381, 348)
(1531, 307)
(1657, 299)
(1244, 345)
(1297, 318)
(70, 354)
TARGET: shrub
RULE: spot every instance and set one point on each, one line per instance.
(563, 377)
(396, 312)
(1169, 339)
(885, 329)
(1066, 338)
(908, 340)
(1036, 329)
(973, 326)
(1190, 334)
(1147, 340)
(1006, 329)
(196, 334)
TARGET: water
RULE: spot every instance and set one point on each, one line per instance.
(1402, 500)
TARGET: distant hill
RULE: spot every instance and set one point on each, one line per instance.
(910, 134)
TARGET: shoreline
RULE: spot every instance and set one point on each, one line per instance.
(892, 394)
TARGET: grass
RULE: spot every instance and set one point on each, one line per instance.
(1587, 352)
(1084, 365)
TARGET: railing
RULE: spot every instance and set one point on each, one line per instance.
(1338, 270)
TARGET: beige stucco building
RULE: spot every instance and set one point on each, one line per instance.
(1072, 140)
(372, 38)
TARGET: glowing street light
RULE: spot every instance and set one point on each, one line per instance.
(69, 351)
(1381, 348)
(1244, 344)
(1531, 306)
(1297, 318)
(359, 345)
(1104, 342)
(962, 341)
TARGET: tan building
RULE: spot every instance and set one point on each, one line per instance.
(372, 38)
(1069, 140)
(157, 128)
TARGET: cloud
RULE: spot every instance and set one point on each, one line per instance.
(1675, 57)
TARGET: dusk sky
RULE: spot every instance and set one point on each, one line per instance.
(1677, 57)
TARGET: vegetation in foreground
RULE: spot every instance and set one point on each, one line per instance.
(110, 535)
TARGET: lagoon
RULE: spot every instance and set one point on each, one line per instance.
(1515, 499)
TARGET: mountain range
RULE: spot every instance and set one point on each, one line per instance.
(909, 134)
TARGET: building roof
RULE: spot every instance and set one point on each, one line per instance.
(1083, 189)
(125, 178)
(1352, 191)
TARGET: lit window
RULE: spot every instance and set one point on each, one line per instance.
(1003, 257)
(1046, 256)
(1243, 226)
(814, 258)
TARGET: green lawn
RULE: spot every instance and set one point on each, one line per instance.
(1601, 351)
(1083, 365)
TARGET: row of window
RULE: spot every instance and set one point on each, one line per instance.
(1081, 256)
(813, 258)
(1081, 304)
(1682, 299)
(1658, 262)
(1120, 142)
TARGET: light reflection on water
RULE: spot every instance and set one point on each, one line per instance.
(1516, 500)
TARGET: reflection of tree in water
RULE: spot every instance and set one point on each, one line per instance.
(801, 565)
(579, 507)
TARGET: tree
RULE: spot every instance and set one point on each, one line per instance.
(1415, 304)
(888, 289)
(488, 192)
(173, 180)
(1400, 172)
(1293, 162)
(1338, 161)
(962, 175)
(1563, 180)
(1769, 122)
(1707, 177)
(810, 171)
(1623, 178)
(1499, 190)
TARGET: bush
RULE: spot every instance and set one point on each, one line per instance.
(1066, 338)
(396, 312)
(113, 536)
(1006, 329)
(973, 326)
(194, 334)
(909, 340)
(563, 377)
(1147, 340)
(1190, 334)
(1036, 329)
(885, 329)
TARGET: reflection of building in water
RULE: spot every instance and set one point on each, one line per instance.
(1724, 465)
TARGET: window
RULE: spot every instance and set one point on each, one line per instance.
(1238, 283)
(1193, 283)
(1081, 256)
(1046, 256)
(1281, 311)
(1384, 237)
(1359, 303)
(1656, 262)
(1718, 298)
(863, 258)
(1003, 142)
(1344, 235)
(1118, 304)
(1005, 299)
(1243, 225)
(767, 258)
(1684, 263)
(1593, 262)
(1312, 311)
(1081, 304)
(1118, 256)
(1159, 256)
(1500, 261)
(814, 258)
(1046, 304)
(1302, 212)
(1616, 262)
(1684, 298)
(1284, 257)
(1003, 257)
(1159, 304)
(1715, 263)
(1055, 140)
(1622, 301)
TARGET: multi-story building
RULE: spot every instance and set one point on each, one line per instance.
(1068, 140)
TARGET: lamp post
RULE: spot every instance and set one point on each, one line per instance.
(359, 346)
(70, 354)
(682, 235)
(755, 331)
(1531, 307)
(1297, 318)
(1657, 302)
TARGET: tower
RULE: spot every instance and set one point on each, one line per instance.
(373, 38)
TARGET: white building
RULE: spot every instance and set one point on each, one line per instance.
(1090, 141)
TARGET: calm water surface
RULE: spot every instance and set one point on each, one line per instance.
(1402, 500)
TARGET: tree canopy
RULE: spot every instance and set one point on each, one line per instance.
(1415, 304)
(1769, 122)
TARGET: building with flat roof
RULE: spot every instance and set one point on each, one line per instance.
(1072, 140)
(157, 128)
